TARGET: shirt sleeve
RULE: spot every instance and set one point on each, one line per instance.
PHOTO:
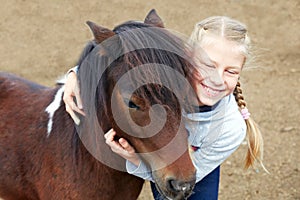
(209, 157)
(142, 171)
(63, 79)
(73, 69)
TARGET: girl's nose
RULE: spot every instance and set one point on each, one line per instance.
(216, 77)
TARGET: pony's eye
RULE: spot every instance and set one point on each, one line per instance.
(133, 105)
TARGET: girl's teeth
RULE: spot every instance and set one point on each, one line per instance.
(211, 91)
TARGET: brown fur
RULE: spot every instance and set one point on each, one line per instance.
(35, 167)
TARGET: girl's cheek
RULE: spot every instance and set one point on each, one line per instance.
(231, 83)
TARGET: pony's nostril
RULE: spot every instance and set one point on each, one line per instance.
(179, 186)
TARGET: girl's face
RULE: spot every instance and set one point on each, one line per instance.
(220, 76)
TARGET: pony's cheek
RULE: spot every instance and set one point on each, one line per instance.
(140, 118)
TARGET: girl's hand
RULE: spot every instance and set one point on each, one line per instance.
(121, 147)
(71, 91)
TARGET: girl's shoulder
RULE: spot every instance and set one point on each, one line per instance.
(227, 103)
(231, 108)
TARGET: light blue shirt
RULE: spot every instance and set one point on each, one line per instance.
(216, 133)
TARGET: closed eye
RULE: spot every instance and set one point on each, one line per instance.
(232, 72)
(210, 66)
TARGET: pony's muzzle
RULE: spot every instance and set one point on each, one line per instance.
(180, 186)
(176, 189)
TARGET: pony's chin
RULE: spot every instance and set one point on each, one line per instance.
(163, 193)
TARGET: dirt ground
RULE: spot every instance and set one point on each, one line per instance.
(40, 40)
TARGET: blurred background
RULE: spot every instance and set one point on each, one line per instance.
(40, 40)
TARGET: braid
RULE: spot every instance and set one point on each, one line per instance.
(254, 137)
(239, 98)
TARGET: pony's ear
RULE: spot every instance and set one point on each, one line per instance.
(153, 19)
(100, 33)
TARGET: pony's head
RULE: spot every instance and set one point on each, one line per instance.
(134, 79)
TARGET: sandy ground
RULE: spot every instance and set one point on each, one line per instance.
(40, 40)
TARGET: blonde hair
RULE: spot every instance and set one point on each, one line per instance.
(233, 30)
(224, 27)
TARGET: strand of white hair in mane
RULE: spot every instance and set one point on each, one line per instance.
(52, 107)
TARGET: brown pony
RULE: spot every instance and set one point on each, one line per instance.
(43, 155)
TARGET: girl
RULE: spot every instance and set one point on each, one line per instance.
(217, 129)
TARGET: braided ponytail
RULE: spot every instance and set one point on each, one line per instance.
(254, 136)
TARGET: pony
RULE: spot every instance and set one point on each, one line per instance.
(44, 155)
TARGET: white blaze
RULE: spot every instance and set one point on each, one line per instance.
(53, 106)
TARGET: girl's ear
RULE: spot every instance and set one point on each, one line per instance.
(100, 33)
(153, 19)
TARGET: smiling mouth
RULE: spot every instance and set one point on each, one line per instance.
(211, 92)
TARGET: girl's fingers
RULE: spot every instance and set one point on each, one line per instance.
(110, 135)
(78, 98)
(121, 147)
(73, 115)
(75, 118)
(109, 139)
(126, 146)
(68, 99)
(75, 108)
(71, 90)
